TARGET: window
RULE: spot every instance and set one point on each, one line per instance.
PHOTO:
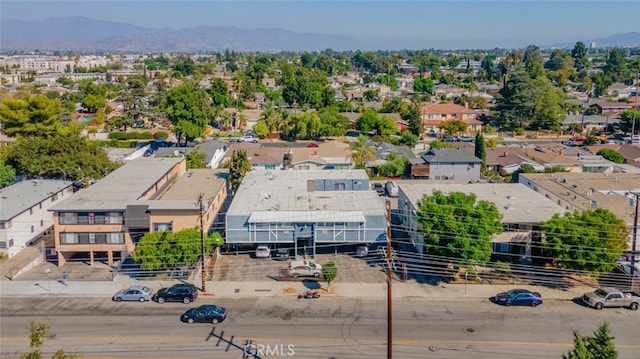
(114, 218)
(41, 223)
(269, 167)
(32, 229)
(91, 218)
(339, 186)
(3, 244)
(162, 227)
(11, 243)
(68, 218)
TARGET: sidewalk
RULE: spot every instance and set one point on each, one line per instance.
(272, 288)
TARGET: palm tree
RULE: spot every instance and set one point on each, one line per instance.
(362, 150)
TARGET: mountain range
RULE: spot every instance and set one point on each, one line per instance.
(84, 34)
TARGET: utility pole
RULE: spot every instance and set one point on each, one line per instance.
(633, 240)
(202, 237)
(389, 295)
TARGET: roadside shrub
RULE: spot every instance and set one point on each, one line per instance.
(161, 134)
(519, 131)
(118, 135)
(502, 268)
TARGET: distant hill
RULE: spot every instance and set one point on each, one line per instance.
(86, 34)
(630, 39)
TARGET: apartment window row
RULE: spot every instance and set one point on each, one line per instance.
(3, 244)
(92, 238)
(91, 218)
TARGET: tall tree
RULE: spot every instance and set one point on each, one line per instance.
(457, 226)
(616, 67)
(362, 151)
(165, 250)
(187, 106)
(579, 55)
(590, 240)
(598, 346)
(452, 127)
(196, 159)
(36, 115)
(239, 166)
(480, 150)
(626, 123)
(65, 156)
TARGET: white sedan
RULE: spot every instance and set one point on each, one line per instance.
(138, 293)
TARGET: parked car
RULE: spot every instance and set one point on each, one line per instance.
(466, 139)
(313, 144)
(281, 254)
(249, 138)
(138, 293)
(208, 313)
(611, 297)
(519, 297)
(263, 251)
(391, 188)
(185, 293)
(379, 187)
(361, 252)
(304, 269)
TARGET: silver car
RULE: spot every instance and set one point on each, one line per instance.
(138, 293)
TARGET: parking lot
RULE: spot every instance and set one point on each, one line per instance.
(244, 267)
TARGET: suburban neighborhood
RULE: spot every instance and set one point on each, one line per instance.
(491, 177)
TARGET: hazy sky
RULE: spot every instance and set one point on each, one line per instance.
(395, 24)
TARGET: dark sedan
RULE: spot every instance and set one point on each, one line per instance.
(208, 313)
(519, 297)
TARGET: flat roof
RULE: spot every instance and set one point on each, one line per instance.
(581, 189)
(121, 187)
(184, 193)
(516, 202)
(23, 195)
(287, 191)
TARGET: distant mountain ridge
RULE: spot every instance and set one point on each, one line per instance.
(629, 39)
(83, 34)
(86, 34)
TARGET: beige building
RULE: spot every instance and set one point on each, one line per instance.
(104, 221)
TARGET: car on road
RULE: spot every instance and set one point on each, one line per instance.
(313, 144)
(139, 293)
(281, 254)
(263, 251)
(362, 252)
(304, 269)
(519, 297)
(184, 292)
(610, 297)
(249, 138)
(208, 313)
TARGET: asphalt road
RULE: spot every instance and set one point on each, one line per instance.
(317, 328)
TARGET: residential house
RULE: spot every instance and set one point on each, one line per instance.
(447, 164)
(24, 211)
(570, 159)
(612, 109)
(522, 211)
(590, 122)
(508, 160)
(305, 209)
(105, 220)
(433, 114)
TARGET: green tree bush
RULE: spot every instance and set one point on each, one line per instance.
(457, 226)
(590, 240)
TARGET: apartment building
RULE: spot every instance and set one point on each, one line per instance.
(105, 221)
(24, 211)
